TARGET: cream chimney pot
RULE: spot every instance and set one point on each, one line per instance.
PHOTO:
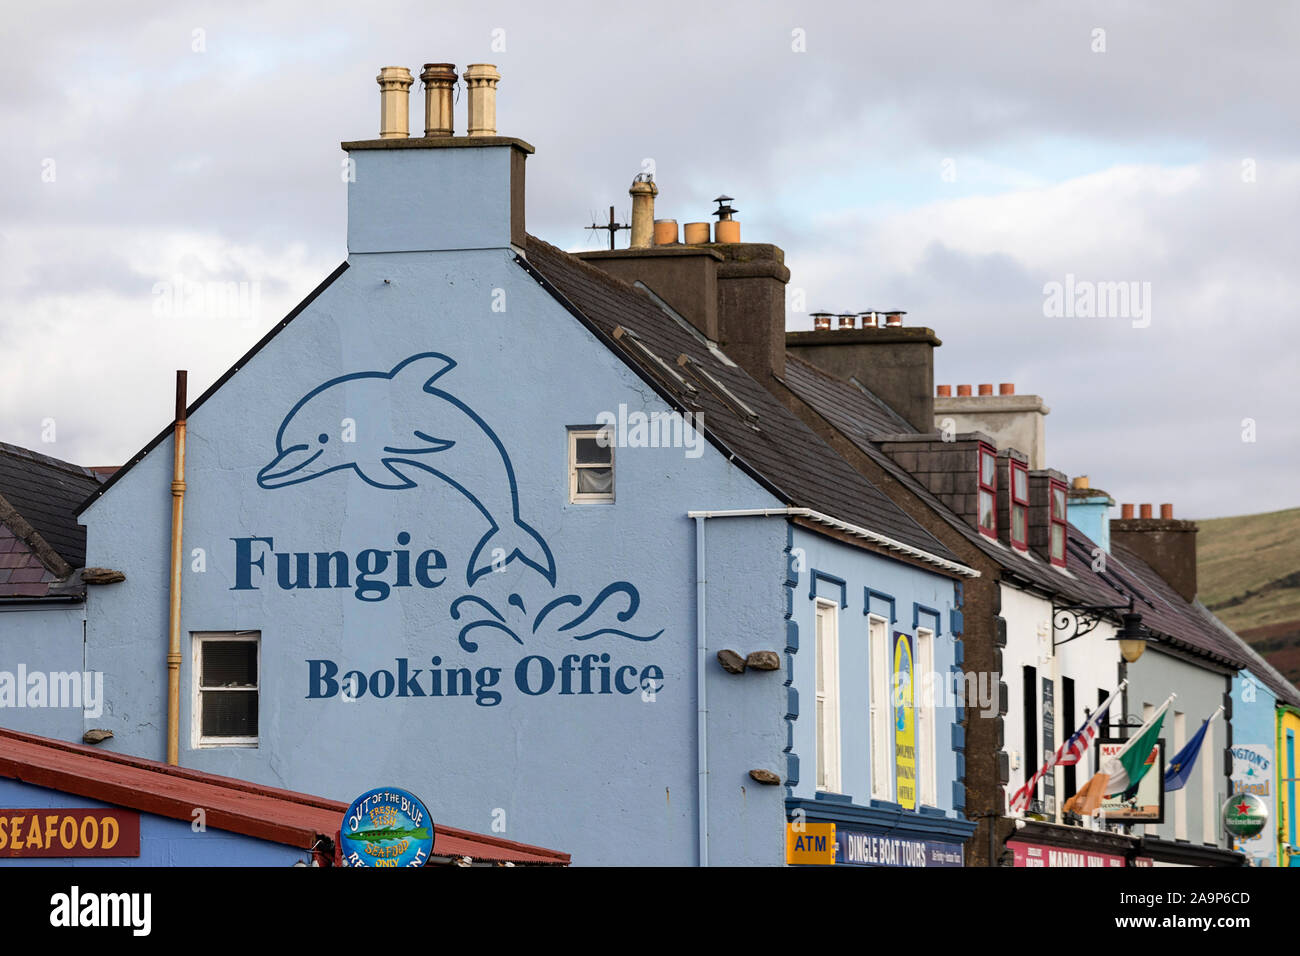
(643, 193)
(438, 79)
(481, 79)
(394, 102)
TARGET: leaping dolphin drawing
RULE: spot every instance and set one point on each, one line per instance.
(444, 437)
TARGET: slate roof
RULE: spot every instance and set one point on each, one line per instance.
(1268, 675)
(22, 573)
(781, 451)
(856, 413)
(46, 492)
(1176, 622)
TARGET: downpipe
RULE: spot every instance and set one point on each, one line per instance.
(174, 622)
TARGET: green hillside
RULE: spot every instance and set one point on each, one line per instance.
(1249, 574)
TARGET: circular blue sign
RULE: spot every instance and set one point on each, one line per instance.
(386, 827)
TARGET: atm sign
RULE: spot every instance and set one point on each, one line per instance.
(810, 843)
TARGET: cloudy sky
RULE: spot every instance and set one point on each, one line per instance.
(948, 159)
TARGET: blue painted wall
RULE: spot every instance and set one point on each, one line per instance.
(163, 841)
(1151, 679)
(46, 638)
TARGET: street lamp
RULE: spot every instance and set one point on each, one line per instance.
(1081, 619)
(1132, 636)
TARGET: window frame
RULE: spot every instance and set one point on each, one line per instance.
(826, 725)
(880, 713)
(1013, 503)
(199, 638)
(990, 488)
(575, 433)
(1053, 521)
(927, 787)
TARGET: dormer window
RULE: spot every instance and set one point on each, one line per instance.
(988, 496)
(1019, 506)
(1057, 539)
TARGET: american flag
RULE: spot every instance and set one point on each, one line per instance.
(1070, 752)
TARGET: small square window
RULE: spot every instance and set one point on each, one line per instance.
(591, 464)
(226, 689)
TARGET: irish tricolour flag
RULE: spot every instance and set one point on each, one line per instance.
(1125, 769)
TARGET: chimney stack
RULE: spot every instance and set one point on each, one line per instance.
(895, 363)
(481, 79)
(437, 191)
(1089, 510)
(394, 102)
(1168, 545)
(733, 292)
(643, 194)
(438, 79)
(1014, 421)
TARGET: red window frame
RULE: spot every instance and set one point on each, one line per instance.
(1056, 491)
(1019, 504)
(989, 488)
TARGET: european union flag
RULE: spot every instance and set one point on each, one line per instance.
(1180, 767)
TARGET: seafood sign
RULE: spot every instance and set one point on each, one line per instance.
(402, 434)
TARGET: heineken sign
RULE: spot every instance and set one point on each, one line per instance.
(1245, 816)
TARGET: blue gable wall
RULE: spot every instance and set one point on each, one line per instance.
(163, 841)
(589, 774)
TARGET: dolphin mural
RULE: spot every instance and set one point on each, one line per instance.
(442, 437)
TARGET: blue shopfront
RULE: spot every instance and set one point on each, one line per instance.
(877, 747)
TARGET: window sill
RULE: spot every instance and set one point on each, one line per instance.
(232, 743)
